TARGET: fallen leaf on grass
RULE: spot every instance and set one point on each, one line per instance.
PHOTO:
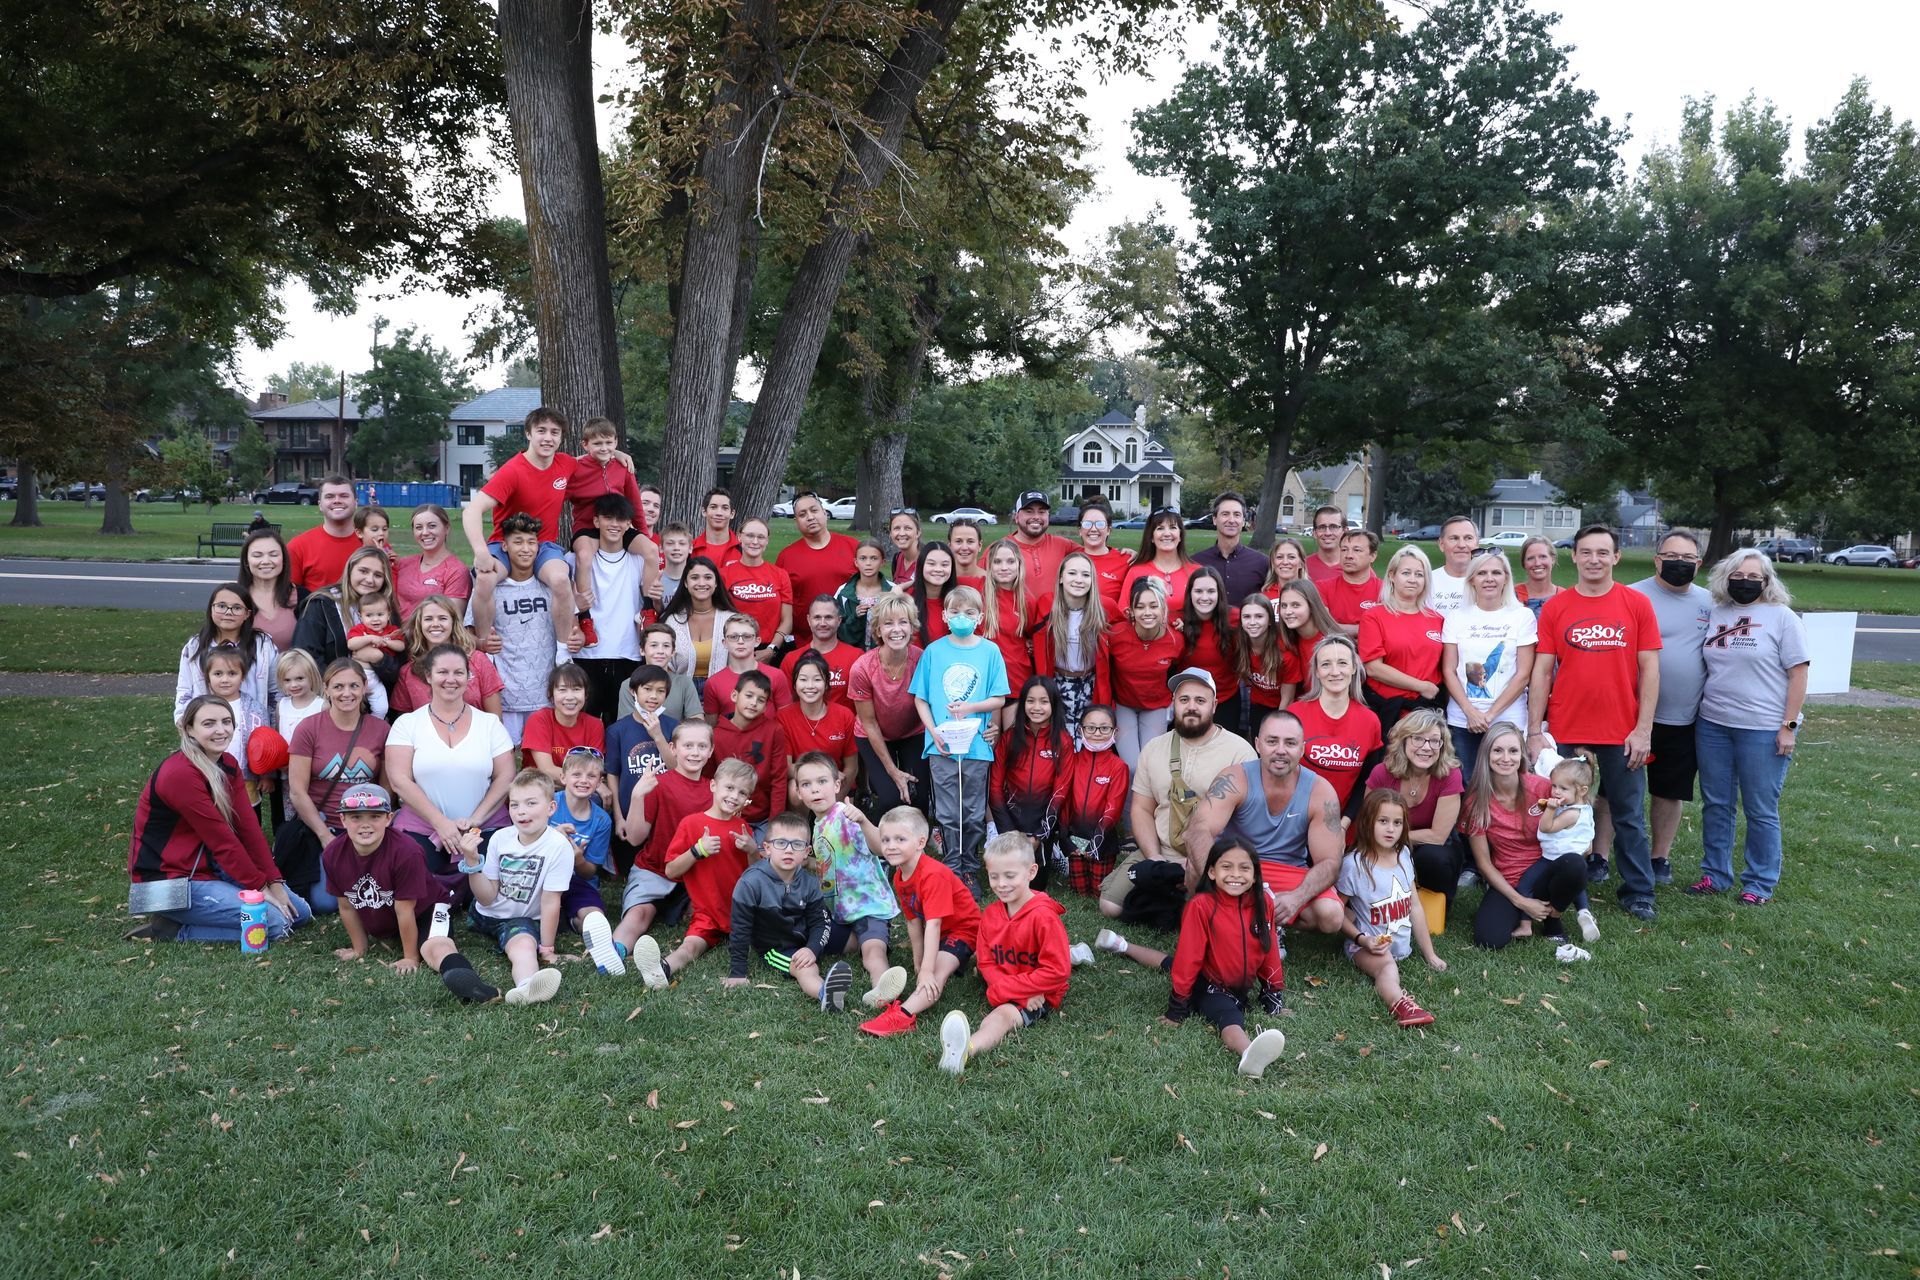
(876, 1204)
(1600, 1064)
(606, 1229)
(653, 1100)
(725, 1105)
(1495, 1122)
(1264, 1115)
(1319, 1151)
(1458, 1225)
(1618, 1255)
(686, 1124)
(634, 1014)
(820, 1101)
(457, 1162)
(1180, 1139)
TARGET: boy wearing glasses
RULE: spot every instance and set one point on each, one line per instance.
(780, 914)
(1323, 566)
(1110, 564)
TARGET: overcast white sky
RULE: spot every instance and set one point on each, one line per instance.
(1642, 57)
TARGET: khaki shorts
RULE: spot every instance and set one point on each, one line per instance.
(1118, 883)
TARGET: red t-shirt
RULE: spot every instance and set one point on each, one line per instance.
(831, 733)
(1407, 642)
(1175, 582)
(840, 660)
(1141, 667)
(316, 558)
(1319, 572)
(1346, 601)
(1337, 748)
(1513, 839)
(710, 880)
(1011, 632)
(763, 745)
(722, 553)
(675, 798)
(818, 572)
(759, 591)
(410, 692)
(1110, 573)
(1207, 655)
(519, 486)
(1598, 640)
(935, 893)
(716, 700)
(590, 482)
(545, 733)
(412, 584)
(1043, 560)
(893, 707)
(1296, 669)
(1263, 686)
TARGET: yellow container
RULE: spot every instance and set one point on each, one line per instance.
(1435, 907)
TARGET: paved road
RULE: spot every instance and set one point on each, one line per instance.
(1880, 638)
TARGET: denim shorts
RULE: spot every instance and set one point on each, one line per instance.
(504, 931)
(548, 553)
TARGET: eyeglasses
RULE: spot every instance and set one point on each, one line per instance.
(593, 752)
(1681, 559)
(1093, 524)
(1095, 730)
(229, 606)
(1435, 743)
(785, 844)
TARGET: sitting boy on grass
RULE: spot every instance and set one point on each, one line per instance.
(517, 889)
(714, 848)
(385, 889)
(587, 827)
(780, 914)
(943, 922)
(1023, 954)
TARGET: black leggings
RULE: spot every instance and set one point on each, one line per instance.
(1437, 867)
(1554, 880)
(878, 785)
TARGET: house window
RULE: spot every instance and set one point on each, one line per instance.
(1133, 451)
(469, 433)
(1113, 493)
(1090, 455)
(1286, 507)
(1561, 517)
(471, 476)
(294, 435)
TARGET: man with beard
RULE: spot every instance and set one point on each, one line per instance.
(1041, 549)
(1174, 772)
(1682, 606)
(1289, 817)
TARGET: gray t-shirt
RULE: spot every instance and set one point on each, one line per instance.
(1379, 900)
(1749, 650)
(1683, 627)
(523, 615)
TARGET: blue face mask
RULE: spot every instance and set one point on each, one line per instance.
(961, 624)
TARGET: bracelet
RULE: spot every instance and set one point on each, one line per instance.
(466, 870)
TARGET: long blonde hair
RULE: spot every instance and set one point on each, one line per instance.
(1093, 619)
(197, 756)
(1480, 790)
(1419, 557)
(990, 597)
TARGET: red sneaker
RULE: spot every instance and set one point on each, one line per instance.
(891, 1021)
(1409, 1014)
(589, 632)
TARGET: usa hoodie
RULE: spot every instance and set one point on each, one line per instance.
(1024, 954)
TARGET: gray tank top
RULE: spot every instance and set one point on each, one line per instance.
(1275, 837)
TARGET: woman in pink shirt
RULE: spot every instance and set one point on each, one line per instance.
(887, 726)
(436, 571)
(1524, 887)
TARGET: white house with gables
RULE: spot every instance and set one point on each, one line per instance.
(1117, 459)
(1531, 506)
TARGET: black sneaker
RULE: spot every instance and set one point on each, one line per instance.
(154, 929)
(469, 986)
(1641, 911)
(834, 987)
(1597, 872)
(1662, 871)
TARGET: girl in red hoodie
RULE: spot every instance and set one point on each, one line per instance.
(1023, 955)
(1031, 758)
(1228, 942)
(1089, 795)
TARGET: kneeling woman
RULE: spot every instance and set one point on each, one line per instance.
(1524, 887)
(194, 823)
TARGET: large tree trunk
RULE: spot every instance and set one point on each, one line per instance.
(119, 511)
(808, 310)
(1377, 489)
(879, 488)
(1726, 515)
(1273, 484)
(547, 47)
(710, 261)
(26, 507)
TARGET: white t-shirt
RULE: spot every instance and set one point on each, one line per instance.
(290, 716)
(616, 601)
(1489, 643)
(1445, 593)
(455, 778)
(525, 871)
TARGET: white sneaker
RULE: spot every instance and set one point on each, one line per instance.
(1260, 1054)
(1108, 940)
(1567, 953)
(954, 1032)
(1589, 927)
(646, 962)
(538, 989)
(886, 988)
(442, 921)
(598, 935)
(1080, 953)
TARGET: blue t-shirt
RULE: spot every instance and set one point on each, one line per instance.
(947, 673)
(591, 835)
(631, 751)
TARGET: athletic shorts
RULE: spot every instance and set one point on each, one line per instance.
(706, 928)
(1221, 1007)
(548, 553)
(859, 932)
(644, 886)
(1030, 1016)
(503, 931)
(1673, 765)
(960, 951)
(582, 894)
(1282, 877)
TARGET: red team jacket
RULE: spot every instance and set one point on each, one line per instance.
(1025, 954)
(1216, 943)
(1025, 780)
(1091, 793)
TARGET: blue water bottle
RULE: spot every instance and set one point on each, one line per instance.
(253, 922)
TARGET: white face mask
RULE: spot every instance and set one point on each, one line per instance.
(1101, 744)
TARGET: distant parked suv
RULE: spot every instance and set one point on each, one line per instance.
(1866, 553)
(1787, 550)
(292, 491)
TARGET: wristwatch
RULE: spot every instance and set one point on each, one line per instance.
(1793, 724)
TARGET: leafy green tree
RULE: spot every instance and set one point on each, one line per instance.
(193, 465)
(414, 385)
(1360, 191)
(251, 457)
(301, 381)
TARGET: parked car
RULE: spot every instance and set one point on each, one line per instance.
(1506, 538)
(78, 491)
(1065, 515)
(1131, 522)
(9, 486)
(783, 508)
(1865, 553)
(842, 508)
(975, 514)
(1200, 522)
(294, 492)
(1425, 533)
(1787, 550)
(1565, 544)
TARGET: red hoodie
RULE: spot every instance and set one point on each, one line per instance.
(1025, 779)
(1091, 793)
(1216, 942)
(1024, 954)
(762, 744)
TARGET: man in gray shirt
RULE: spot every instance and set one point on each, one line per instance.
(1682, 608)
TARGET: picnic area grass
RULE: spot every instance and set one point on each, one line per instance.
(1729, 1093)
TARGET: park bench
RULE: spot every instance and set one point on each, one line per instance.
(225, 534)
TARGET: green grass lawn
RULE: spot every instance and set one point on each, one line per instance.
(96, 641)
(1731, 1093)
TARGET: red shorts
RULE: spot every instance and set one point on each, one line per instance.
(1281, 877)
(706, 928)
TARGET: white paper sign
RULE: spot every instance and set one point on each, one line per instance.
(1830, 641)
(957, 735)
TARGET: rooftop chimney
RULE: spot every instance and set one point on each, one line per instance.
(271, 400)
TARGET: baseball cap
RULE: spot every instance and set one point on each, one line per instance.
(1201, 674)
(366, 797)
(1032, 496)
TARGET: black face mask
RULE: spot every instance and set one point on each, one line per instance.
(1677, 573)
(1744, 590)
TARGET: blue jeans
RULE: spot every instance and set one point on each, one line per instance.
(214, 914)
(322, 899)
(1466, 745)
(1625, 791)
(1743, 761)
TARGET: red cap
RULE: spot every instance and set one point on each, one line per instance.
(266, 751)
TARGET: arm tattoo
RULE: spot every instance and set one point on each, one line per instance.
(1222, 787)
(1330, 815)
